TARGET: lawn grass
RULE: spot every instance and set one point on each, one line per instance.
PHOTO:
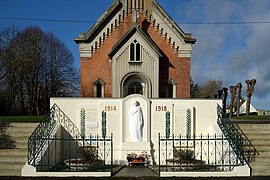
(21, 119)
(251, 117)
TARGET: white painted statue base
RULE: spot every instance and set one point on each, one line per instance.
(136, 146)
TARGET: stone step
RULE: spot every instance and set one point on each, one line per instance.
(265, 126)
(261, 160)
(15, 133)
(15, 152)
(259, 136)
(22, 139)
(14, 158)
(260, 173)
(265, 154)
(10, 172)
(261, 149)
(21, 145)
(255, 129)
(263, 165)
(258, 133)
(21, 128)
(11, 165)
(260, 166)
(23, 125)
(259, 143)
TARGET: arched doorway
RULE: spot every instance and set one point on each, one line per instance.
(135, 83)
(135, 88)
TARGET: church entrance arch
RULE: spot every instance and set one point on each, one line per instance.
(135, 83)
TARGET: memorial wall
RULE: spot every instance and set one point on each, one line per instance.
(136, 121)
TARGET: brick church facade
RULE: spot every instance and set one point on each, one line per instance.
(135, 48)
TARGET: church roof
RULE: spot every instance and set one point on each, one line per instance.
(100, 24)
(187, 36)
(114, 9)
(127, 36)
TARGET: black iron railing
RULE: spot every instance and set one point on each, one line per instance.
(67, 154)
(38, 141)
(195, 154)
(57, 145)
(236, 137)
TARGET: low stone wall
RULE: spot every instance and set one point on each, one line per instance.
(264, 112)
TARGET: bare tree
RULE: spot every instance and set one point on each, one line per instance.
(39, 66)
(11, 68)
(232, 103)
(239, 97)
(209, 89)
(194, 88)
(249, 92)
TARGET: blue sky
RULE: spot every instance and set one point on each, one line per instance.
(231, 52)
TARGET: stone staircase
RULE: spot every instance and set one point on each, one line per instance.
(259, 135)
(12, 160)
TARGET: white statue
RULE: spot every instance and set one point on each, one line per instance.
(135, 121)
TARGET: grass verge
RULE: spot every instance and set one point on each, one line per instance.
(21, 119)
(251, 117)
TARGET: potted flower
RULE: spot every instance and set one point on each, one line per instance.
(131, 156)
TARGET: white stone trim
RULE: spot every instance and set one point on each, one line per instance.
(148, 66)
(174, 39)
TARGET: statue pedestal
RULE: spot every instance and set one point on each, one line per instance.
(136, 146)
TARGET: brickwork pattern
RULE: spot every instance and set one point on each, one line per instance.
(171, 65)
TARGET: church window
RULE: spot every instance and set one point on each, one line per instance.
(171, 88)
(138, 52)
(99, 87)
(135, 51)
(132, 55)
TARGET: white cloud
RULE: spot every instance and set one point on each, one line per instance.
(232, 53)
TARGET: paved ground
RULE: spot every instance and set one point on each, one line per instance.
(137, 171)
(134, 173)
(133, 178)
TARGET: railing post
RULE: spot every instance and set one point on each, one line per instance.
(201, 150)
(215, 151)
(111, 153)
(83, 122)
(208, 149)
(222, 151)
(104, 126)
(173, 151)
(168, 124)
(159, 154)
(188, 123)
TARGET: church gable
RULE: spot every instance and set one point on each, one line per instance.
(136, 38)
(133, 58)
(175, 37)
(118, 14)
(135, 44)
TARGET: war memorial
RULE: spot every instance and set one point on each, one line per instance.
(134, 110)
